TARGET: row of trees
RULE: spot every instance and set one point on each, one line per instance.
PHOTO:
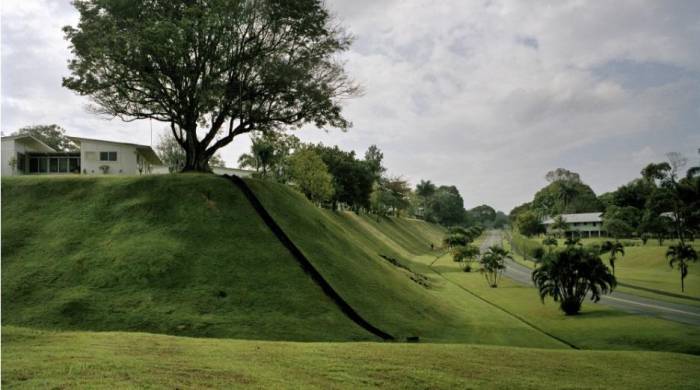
(662, 203)
(336, 178)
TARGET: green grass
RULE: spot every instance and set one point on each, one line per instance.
(154, 254)
(346, 248)
(157, 254)
(40, 359)
(597, 327)
(643, 266)
(647, 266)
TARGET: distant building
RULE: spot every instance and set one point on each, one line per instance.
(27, 155)
(583, 224)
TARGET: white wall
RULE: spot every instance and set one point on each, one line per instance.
(10, 148)
(90, 158)
(8, 151)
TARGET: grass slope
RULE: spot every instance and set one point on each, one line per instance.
(34, 359)
(176, 254)
(597, 327)
(346, 249)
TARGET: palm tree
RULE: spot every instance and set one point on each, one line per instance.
(493, 264)
(613, 248)
(550, 242)
(560, 225)
(567, 192)
(573, 241)
(570, 275)
(681, 255)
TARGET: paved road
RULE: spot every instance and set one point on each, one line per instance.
(622, 301)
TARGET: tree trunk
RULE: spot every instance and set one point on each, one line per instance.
(197, 160)
(682, 283)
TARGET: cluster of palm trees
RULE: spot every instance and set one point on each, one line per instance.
(572, 274)
(492, 261)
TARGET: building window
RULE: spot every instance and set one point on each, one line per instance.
(108, 156)
(21, 165)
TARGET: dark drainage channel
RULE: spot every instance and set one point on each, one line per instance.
(304, 262)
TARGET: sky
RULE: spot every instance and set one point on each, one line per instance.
(486, 95)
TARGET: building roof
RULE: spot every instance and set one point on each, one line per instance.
(41, 144)
(145, 150)
(577, 218)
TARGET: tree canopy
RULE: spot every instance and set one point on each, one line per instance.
(52, 135)
(212, 70)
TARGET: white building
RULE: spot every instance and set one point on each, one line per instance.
(583, 224)
(26, 155)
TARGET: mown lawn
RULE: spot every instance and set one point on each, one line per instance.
(597, 327)
(174, 254)
(41, 359)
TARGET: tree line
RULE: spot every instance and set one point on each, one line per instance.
(342, 180)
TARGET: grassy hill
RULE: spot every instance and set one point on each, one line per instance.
(176, 254)
(188, 255)
(34, 359)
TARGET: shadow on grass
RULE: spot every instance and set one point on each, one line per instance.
(600, 314)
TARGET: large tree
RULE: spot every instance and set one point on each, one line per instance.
(211, 69)
(310, 175)
(52, 135)
(173, 156)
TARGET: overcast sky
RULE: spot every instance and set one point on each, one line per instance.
(485, 95)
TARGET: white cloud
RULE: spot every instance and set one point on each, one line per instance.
(487, 95)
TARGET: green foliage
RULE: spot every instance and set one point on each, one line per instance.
(493, 264)
(455, 239)
(425, 189)
(529, 224)
(217, 69)
(550, 242)
(560, 225)
(52, 135)
(308, 172)
(374, 158)
(613, 249)
(570, 275)
(352, 178)
(390, 194)
(269, 154)
(445, 207)
(465, 254)
(562, 197)
(524, 246)
(679, 256)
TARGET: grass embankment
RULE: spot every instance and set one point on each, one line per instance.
(187, 255)
(33, 359)
(597, 327)
(346, 249)
(176, 254)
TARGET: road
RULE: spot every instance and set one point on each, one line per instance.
(686, 314)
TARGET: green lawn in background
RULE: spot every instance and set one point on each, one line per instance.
(597, 327)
